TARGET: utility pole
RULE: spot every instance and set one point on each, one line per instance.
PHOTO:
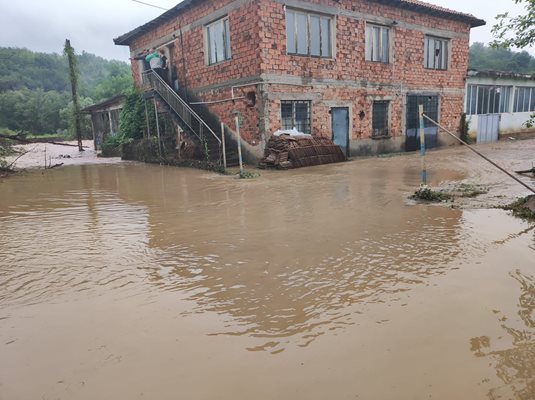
(73, 75)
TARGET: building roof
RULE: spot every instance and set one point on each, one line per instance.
(499, 75)
(416, 5)
(104, 105)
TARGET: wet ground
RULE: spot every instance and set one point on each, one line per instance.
(36, 154)
(132, 281)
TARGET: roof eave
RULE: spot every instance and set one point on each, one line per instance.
(127, 38)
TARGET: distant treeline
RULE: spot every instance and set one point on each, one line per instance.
(487, 58)
(35, 88)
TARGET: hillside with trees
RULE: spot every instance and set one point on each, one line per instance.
(501, 59)
(35, 88)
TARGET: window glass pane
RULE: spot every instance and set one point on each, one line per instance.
(302, 119)
(380, 118)
(211, 45)
(290, 32)
(385, 44)
(438, 54)
(482, 100)
(445, 54)
(506, 100)
(286, 115)
(315, 36)
(515, 104)
(220, 46)
(302, 33)
(532, 101)
(526, 99)
(376, 43)
(430, 50)
(326, 37)
(368, 39)
(227, 39)
(494, 101)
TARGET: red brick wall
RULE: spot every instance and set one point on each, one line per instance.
(258, 44)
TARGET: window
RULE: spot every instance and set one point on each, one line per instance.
(377, 43)
(524, 99)
(296, 114)
(308, 34)
(218, 37)
(436, 53)
(487, 99)
(380, 119)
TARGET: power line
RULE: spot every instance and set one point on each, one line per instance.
(150, 5)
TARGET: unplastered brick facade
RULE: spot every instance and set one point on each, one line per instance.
(259, 64)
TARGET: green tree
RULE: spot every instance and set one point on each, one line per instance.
(517, 31)
(67, 114)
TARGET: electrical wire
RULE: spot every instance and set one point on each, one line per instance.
(150, 5)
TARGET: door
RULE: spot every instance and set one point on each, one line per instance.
(412, 142)
(488, 128)
(340, 128)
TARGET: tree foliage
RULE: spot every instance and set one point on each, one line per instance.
(516, 31)
(133, 115)
(35, 88)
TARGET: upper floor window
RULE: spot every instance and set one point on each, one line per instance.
(377, 43)
(436, 53)
(308, 34)
(218, 38)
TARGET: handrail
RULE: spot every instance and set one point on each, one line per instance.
(184, 111)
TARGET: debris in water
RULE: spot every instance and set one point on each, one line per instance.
(431, 196)
(523, 208)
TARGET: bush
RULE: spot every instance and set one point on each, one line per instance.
(113, 145)
(464, 128)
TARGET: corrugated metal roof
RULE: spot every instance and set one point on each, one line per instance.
(415, 5)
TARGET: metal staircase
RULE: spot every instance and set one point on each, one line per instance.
(194, 126)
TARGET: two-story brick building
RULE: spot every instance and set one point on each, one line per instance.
(354, 70)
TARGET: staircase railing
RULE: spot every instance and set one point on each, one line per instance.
(151, 80)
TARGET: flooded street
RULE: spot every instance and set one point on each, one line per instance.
(133, 281)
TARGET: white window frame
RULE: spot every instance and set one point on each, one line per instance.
(214, 55)
(376, 48)
(323, 47)
(438, 60)
(524, 99)
(487, 99)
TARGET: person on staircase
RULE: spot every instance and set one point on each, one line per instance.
(156, 63)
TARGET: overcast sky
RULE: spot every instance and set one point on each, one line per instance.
(91, 25)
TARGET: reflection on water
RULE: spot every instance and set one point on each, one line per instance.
(515, 361)
(282, 259)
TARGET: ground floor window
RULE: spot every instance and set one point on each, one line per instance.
(524, 99)
(380, 116)
(487, 99)
(296, 114)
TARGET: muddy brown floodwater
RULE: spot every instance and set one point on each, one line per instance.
(132, 281)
